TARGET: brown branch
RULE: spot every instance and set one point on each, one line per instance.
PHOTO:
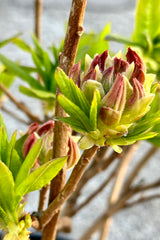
(116, 207)
(20, 105)
(138, 167)
(13, 114)
(121, 173)
(138, 189)
(95, 168)
(38, 17)
(141, 200)
(99, 222)
(43, 197)
(70, 185)
(61, 130)
(64, 224)
(94, 194)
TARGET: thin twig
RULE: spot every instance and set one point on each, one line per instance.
(43, 197)
(61, 130)
(121, 173)
(141, 200)
(38, 17)
(70, 185)
(94, 194)
(14, 115)
(94, 169)
(20, 105)
(99, 222)
(138, 167)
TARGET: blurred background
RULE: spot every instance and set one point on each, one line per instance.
(138, 223)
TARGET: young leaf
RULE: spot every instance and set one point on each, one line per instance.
(147, 21)
(18, 146)
(94, 110)
(38, 47)
(74, 123)
(75, 112)
(28, 162)
(4, 126)
(21, 44)
(4, 145)
(6, 188)
(71, 91)
(15, 68)
(8, 40)
(42, 95)
(41, 176)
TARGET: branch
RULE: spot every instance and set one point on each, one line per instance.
(141, 200)
(38, 17)
(70, 185)
(121, 173)
(138, 167)
(99, 222)
(94, 194)
(61, 130)
(93, 169)
(115, 208)
(43, 197)
(19, 104)
(13, 114)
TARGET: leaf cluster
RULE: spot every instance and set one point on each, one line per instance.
(16, 177)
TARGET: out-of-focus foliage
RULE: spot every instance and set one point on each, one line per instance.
(16, 180)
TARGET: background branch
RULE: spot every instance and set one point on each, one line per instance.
(121, 173)
(20, 105)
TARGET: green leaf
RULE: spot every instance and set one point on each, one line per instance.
(6, 188)
(94, 110)
(75, 112)
(8, 40)
(75, 124)
(21, 44)
(10, 147)
(4, 145)
(6, 79)
(92, 43)
(41, 176)
(4, 126)
(19, 145)
(38, 47)
(42, 95)
(3, 218)
(147, 21)
(71, 91)
(16, 69)
(28, 162)
(120, 39)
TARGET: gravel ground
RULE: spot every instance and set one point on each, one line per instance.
(141, 222)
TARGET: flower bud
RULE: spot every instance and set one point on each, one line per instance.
(44, 128)
(73, 153)
(75, 73)
(28, 144)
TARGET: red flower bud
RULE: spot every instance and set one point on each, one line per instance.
(138, 92)
(75, 72)
(28, 144)
(47, 126)
(32, 128)
(139, 69)
(120, 65)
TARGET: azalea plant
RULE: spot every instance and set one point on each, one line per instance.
(104, 101)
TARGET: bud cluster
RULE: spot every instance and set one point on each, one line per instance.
(35, 131)
(125, 91)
